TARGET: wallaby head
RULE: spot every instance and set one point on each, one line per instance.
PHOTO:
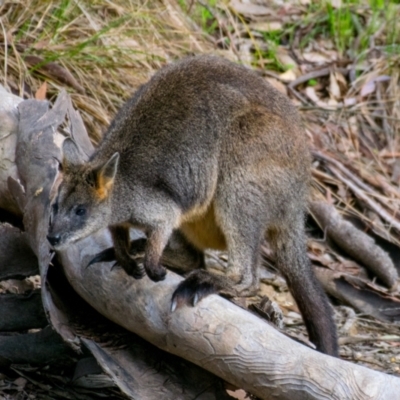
(82, 204)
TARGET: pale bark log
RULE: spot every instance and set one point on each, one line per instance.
(217, 335)
(355, 242)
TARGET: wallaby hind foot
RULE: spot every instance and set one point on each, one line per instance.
(200, 284)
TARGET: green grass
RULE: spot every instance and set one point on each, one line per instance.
(202, 13)
(108, 48)
(351, 26)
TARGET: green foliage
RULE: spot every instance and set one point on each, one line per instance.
(352, 25)
(201, 13)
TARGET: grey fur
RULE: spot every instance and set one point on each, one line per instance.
(208, 148)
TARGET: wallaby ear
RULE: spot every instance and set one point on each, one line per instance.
(71, 154)
(104, 176)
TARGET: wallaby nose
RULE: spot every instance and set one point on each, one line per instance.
(53, 240)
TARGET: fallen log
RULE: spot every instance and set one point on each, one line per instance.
(355, 242)
(216, 335)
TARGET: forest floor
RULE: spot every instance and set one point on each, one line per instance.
(339, 63)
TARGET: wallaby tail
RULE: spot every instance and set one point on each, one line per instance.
(293, 262)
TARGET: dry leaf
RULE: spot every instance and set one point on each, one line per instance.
(336, 3)
(334, 88)
(285, 59)
(314, 57)
(311, 94)
(41, 44)
(369, 87)
(351, 101)
(250, 9)
(20, 382)
(288, 76)
(41, 92)
(266, 26)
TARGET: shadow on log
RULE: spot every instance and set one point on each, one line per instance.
(21, 312)
(43, 347)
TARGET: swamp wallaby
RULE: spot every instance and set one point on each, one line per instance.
(209, 155)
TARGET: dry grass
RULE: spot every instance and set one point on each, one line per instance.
(103, 50)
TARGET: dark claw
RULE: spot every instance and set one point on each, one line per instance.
(107, 255)
(137, 273)
(104, 256)
(194, 288)
(115, 266)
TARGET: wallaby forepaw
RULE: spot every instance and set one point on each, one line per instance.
(194, 288)
(131, 267)
(156, 274)
(137, 273)
(137, 247)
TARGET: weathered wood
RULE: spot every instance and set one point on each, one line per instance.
(43, 347)
(20, 312)
(216, 335)
(17, 260)
(354, 242)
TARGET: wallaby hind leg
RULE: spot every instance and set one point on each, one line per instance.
(180, 255)
(241, 221)
(288, 240)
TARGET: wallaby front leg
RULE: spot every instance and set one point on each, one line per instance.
(157, 239)
(121, 240)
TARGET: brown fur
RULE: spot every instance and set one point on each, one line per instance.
(206, 154)
(203, 231)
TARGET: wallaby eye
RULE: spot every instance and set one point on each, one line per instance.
(80, 211)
